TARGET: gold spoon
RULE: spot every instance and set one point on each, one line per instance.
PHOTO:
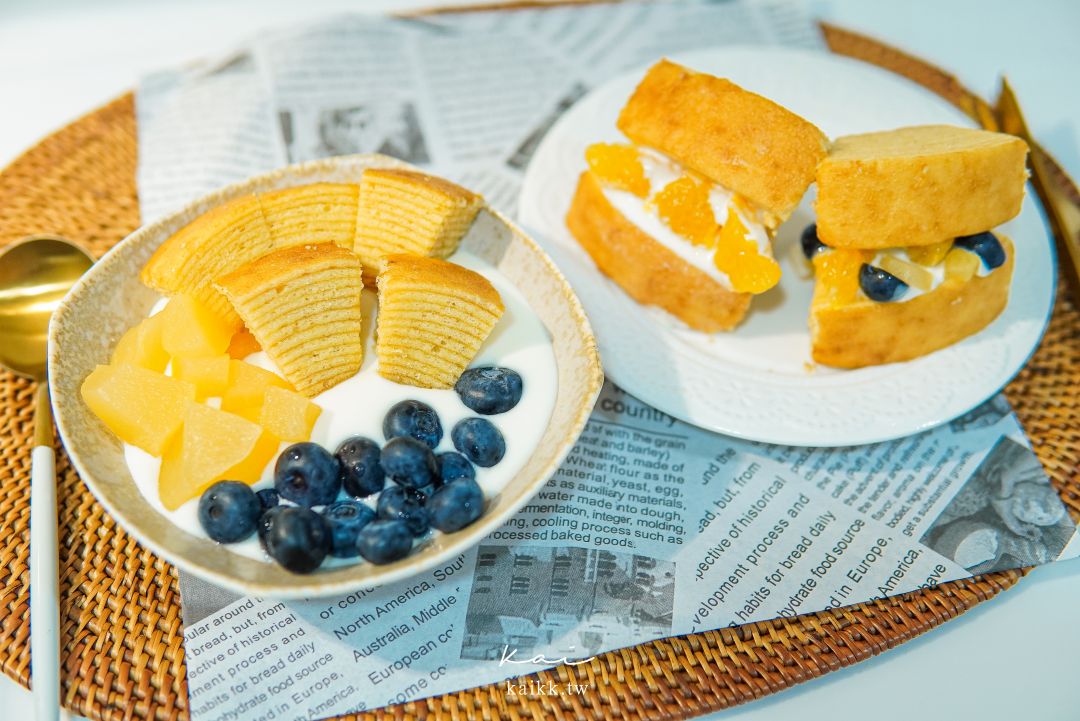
(35, 274)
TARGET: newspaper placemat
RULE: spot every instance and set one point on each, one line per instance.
(652, 528)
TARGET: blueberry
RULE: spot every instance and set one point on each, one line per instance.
(268, 498)
(811, 244)
(266, 522)
(307, 475)
(986, 246)
(456, 505)
(345, 519)
(454, 466)
(361, 473)
(489, 390)
(405, 504)
(415, 420)
(408, 462)
(384, 541)
(297, 538)
(229, 511)
(880, 285)
(479, 441)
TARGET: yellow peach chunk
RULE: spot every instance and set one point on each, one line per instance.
(961, 265)
(210, 375)
(142, 346)
(192, 330)
(214, 446)
(910, 273)
(140, 406)
(929, 254)
(247, 388)
(243, 344)
(288, 415)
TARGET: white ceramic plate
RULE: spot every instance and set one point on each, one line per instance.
(757, 381)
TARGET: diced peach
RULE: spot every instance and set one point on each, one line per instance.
(247, 388)
(243, 344)
(214, 446)
(140, 406)
(191, 330)
(288, 415)
(142, 346)
(210, 376)
(914, 275)
(961, 265)
(929, 254)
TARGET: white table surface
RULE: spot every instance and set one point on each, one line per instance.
(1011, 658)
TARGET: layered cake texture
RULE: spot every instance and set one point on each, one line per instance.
(302, 304)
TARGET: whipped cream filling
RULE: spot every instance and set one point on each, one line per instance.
(356, 406)
(660, 171)
(937, 271)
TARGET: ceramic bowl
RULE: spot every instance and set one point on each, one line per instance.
(110, 299)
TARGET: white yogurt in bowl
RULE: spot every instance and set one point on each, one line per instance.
(357, 406)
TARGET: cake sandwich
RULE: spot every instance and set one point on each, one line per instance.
(904, 251)
(682, 216)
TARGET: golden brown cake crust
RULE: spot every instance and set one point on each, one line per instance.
(407, 269)
(867, 333)
(648, 271)
(743, 141)
(918, 185)
(281, 263)
(442, 185)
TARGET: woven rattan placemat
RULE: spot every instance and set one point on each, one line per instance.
(122, 637)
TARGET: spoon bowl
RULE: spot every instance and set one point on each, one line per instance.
(35, 275)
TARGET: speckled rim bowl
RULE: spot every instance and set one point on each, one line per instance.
(110, 299)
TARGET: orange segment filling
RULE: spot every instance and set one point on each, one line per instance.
(738, 257)
(684, 205)
(618, 166)
(838, 273)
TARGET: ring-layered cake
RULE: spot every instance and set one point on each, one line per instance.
(433, 317)
(388, 211)
(903, 254)
(682, 216)
(302, 304)
(406, 211)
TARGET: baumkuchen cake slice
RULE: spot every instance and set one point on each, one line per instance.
(433, 317)
(405, 211)
(302, 304)
(315, 213)
(217, 242)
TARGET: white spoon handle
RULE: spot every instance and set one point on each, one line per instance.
(44, 591)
